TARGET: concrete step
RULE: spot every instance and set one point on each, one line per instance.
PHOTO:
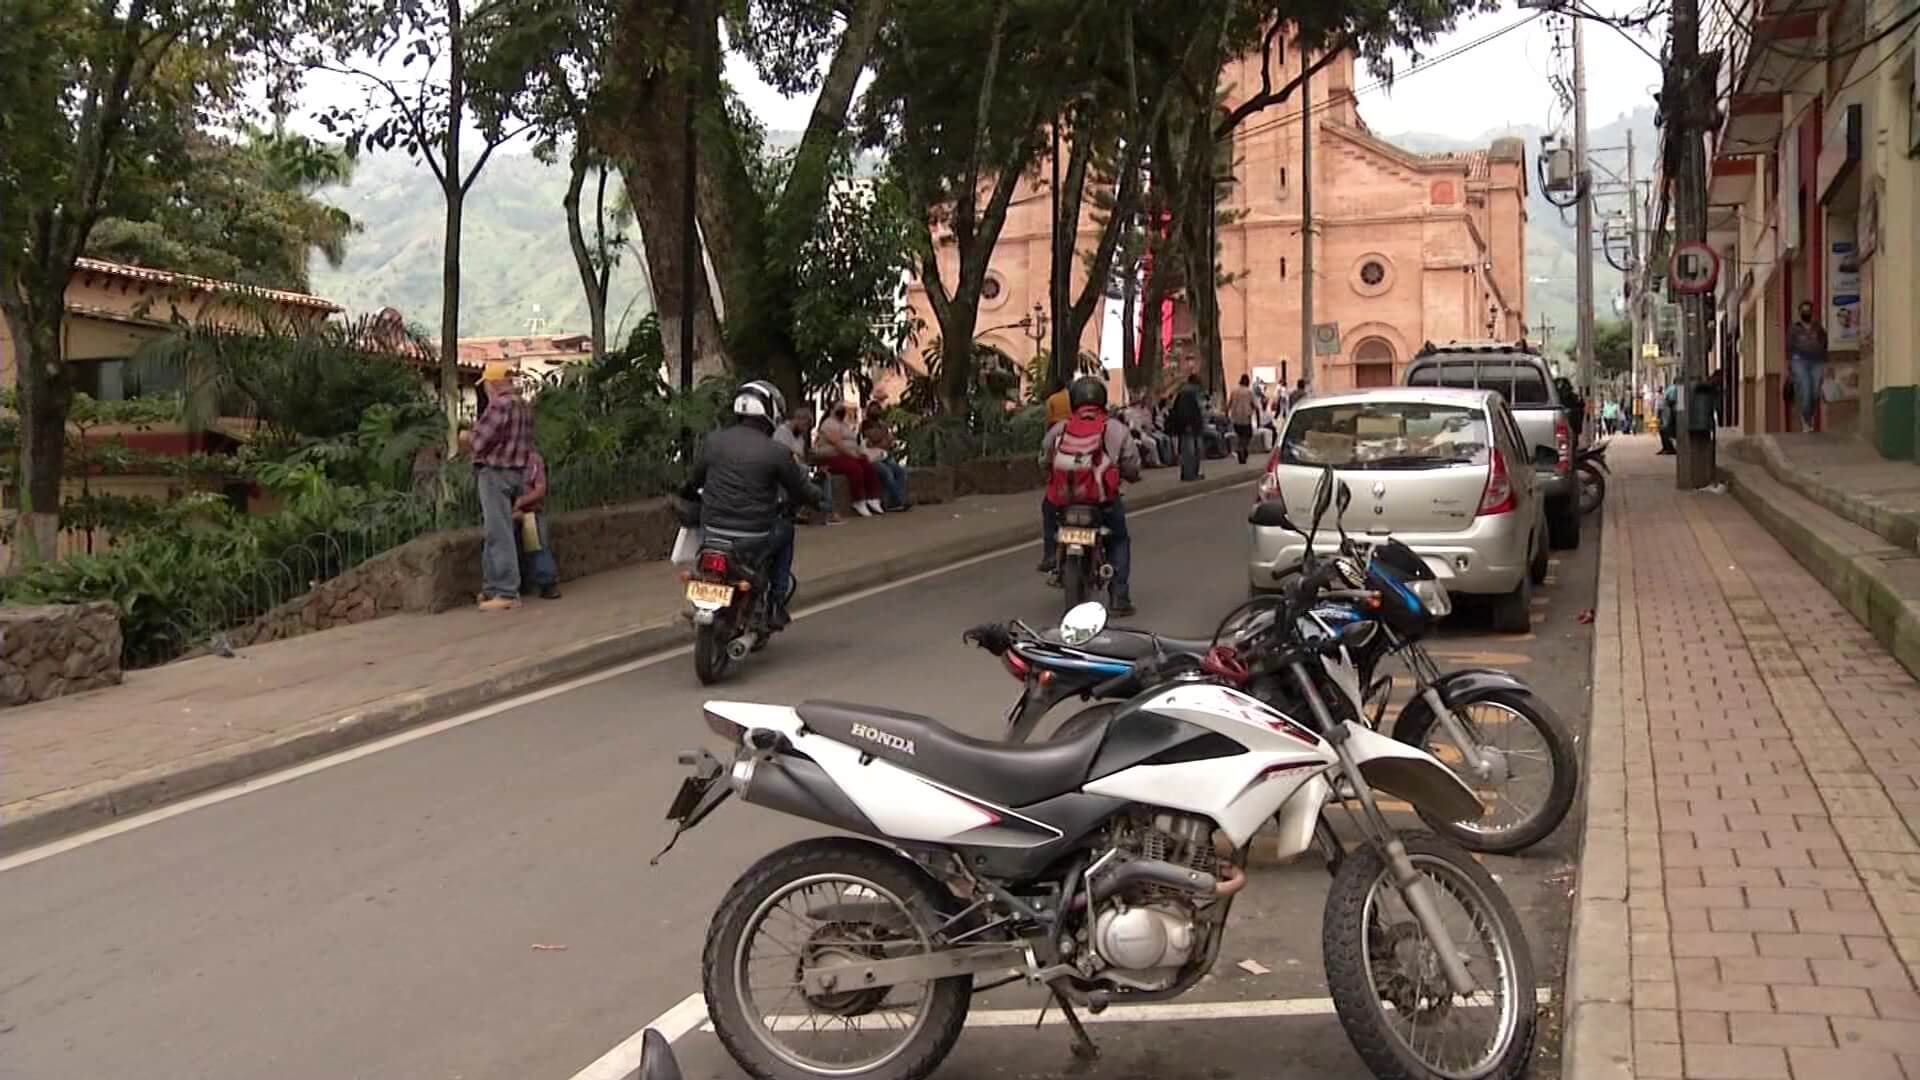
(1875, 578)
(1845, 477)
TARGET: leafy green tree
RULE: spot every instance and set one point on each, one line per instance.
(241, 211)
(413, 59)
(97, 101)
(1613, 346)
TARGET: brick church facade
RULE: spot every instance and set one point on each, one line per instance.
(1408, 248)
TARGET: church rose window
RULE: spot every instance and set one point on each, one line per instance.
(1372, 273)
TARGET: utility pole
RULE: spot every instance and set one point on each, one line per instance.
(1633, 268)
(1688, 87)
(1583, 215)
(1306, 221)
(1055, 287)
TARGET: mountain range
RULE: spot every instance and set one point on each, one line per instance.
(519, 275)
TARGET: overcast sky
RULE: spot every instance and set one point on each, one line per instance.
(1501, 83)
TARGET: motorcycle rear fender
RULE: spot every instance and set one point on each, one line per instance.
(1456, 687)
(1411, 773)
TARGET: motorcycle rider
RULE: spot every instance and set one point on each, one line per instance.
(745, 482)
(1109, 456)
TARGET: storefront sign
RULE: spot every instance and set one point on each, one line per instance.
(1839, 149)
(1843, 292)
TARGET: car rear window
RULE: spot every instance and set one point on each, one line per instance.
(1386, 435)
(1520, 383)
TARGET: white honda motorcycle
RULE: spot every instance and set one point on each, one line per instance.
(1101, 865)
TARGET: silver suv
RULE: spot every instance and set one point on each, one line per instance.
(1521, 376)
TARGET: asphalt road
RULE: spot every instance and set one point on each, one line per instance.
(380, 919)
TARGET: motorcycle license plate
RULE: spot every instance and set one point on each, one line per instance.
(688, 797)
(1077, 536)
(708, 595)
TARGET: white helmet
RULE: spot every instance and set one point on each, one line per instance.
(762, 399)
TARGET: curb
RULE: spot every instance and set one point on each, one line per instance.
(1597, 1043)
(76, 810)
(1874, 578)
(1899, 527)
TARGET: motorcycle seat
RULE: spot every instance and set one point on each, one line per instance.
(1134, 645)
(1008, 775)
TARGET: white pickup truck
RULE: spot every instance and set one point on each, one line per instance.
(1523, 377)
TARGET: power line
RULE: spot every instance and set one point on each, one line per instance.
(1386, 83)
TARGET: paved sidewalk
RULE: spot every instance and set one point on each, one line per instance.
(75, 762)
(1749, 900)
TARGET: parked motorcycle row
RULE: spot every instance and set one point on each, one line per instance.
(1102, 862)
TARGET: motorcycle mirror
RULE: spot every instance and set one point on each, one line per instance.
(656, 1058)
(1344, 499)
(1083, 623)
(1323, 495)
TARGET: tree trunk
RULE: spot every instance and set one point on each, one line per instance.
(46, 391)
(1129, 324)
(455, 194)
(583, 260)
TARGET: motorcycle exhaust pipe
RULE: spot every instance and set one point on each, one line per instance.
(739, 647)
(1166, 875)
(799, 786)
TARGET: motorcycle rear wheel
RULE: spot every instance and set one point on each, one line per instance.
(1593, 488)
(864, 899)
(1375, 959)
(710, 657)
(1074, 580)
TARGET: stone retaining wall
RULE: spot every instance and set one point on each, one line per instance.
(52, 649)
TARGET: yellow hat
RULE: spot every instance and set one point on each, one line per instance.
(496, 372)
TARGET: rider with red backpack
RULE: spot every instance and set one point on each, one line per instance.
(1089, 454)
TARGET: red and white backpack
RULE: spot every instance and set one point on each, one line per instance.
(1082, 472)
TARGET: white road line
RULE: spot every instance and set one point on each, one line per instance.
(621, 1061)
(275, 779)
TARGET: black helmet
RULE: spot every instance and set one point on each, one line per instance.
(1087, 390)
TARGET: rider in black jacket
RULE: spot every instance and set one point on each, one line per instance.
(746, 483)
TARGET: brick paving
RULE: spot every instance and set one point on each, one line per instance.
(166, 720)
(1772, 761)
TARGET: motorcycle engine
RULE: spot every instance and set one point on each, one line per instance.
(1152, 932)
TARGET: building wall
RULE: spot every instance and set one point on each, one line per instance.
(1890, 176)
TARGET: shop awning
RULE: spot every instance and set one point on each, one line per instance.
(1732, 180)
(1753, 124)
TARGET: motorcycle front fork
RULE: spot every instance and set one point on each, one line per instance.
(1414, 888)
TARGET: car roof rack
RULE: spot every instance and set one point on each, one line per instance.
(1478, 347)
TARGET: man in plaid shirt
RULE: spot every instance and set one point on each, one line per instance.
(502, 446)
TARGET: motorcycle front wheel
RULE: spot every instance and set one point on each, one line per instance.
(710, 657)
(1397, 1008)
(1538, 772)
(820, 903)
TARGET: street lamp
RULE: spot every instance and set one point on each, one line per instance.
(1036, 328)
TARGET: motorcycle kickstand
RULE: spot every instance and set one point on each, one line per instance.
(1083, 1044)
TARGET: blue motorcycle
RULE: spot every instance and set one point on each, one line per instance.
(1503, 739)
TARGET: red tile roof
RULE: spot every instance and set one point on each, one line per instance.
(190, 281)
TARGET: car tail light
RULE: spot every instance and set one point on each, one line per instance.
(1498, 497)
(1563, 442)
(713, 562)
(1269, 487)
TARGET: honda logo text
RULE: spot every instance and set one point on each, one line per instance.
(884, 738)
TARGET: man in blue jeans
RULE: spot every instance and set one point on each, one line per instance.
(1807, 356)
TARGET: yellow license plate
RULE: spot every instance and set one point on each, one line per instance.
(707, 594)
(1082, 537)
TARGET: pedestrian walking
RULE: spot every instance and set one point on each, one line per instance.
(1186, 422)
(1807, 355)
(1669, 416)
(537, 564)
(501, 442)
(1240, 412)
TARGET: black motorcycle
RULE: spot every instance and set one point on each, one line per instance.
(729, 601)
(1591, 464)
(1080, 554)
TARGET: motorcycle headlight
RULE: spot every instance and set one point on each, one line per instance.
(1433, 596)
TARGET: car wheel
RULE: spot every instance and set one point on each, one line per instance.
(1563, 522)
(1513, 612)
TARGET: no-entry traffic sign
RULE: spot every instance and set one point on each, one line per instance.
(1695, 268)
